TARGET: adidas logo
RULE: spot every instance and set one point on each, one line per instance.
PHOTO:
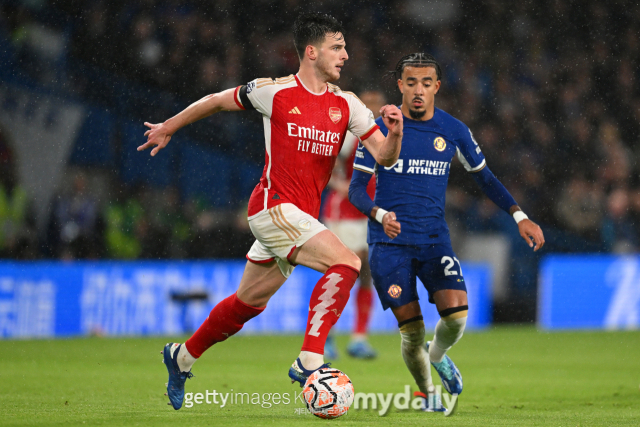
(295, 111)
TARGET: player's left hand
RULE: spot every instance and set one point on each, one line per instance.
(157, 136)
(531, 233)
(391, 225)
(392, 118)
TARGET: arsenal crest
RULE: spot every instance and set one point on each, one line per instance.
(335, 114)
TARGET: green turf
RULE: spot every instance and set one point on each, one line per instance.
(513, 376)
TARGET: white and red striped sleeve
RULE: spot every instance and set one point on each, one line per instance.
(361, 121)
(258, 94)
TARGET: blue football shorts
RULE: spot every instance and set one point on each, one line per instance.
(394, 269)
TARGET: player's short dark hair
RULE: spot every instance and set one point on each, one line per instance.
(415, 60)
(312, 28)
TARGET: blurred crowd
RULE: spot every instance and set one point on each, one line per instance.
(125, 223)
(549, 88)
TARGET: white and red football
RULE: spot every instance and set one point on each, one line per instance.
(328, 393)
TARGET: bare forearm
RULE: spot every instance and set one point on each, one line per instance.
(159, 134)
(200, 109)
(514, 209)
(390, 149)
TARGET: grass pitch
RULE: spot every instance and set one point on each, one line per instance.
(513, 376)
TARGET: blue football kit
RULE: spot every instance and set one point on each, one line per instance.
(414, 188)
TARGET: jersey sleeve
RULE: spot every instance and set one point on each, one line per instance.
(364, 161)
(361, 122)
(350, 142)
(257, 95)
(468, 150)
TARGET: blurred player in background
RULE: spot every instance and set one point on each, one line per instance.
(305, 123)
(411, 239)
(350, 225)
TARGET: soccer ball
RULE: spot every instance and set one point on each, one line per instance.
(328, 393)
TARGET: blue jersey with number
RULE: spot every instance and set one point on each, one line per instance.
(414, 188)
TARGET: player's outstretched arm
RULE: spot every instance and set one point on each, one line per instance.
(387, 149)
(160, 134)
(498, 194)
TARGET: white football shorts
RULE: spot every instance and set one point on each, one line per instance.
(352, 232)
(278, 232)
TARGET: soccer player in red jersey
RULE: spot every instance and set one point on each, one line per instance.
(350, 225)
(305, 122)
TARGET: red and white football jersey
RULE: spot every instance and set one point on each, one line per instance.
(303, 134)
(336, 207)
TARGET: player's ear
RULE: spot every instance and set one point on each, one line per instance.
(438, 83)
(400, 85)
(311, 52)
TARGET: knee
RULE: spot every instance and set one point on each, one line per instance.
(352, 260)
(412, 333)
(456, 326)
(455, 323)
(452, 323)
(357, 264)
(455, 317)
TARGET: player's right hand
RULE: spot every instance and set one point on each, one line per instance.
(391, 225)
(157, 135)
(392, 118)
(531, 233)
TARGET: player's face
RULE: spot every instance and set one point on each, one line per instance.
(331, 57)
(419, 86)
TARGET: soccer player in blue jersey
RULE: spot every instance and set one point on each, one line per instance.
(408, 236)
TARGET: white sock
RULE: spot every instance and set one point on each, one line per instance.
(414, 354)
(448, 332)
(185, 359)
(311, 361)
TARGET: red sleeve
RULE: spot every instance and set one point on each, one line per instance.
(236, 97)
(369, 132)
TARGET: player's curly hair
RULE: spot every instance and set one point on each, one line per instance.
(414, 60)
(312, 28)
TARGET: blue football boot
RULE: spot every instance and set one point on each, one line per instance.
(361, 350)
(449, 373)
(175, 386)
(297, 372)
(431, 402)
